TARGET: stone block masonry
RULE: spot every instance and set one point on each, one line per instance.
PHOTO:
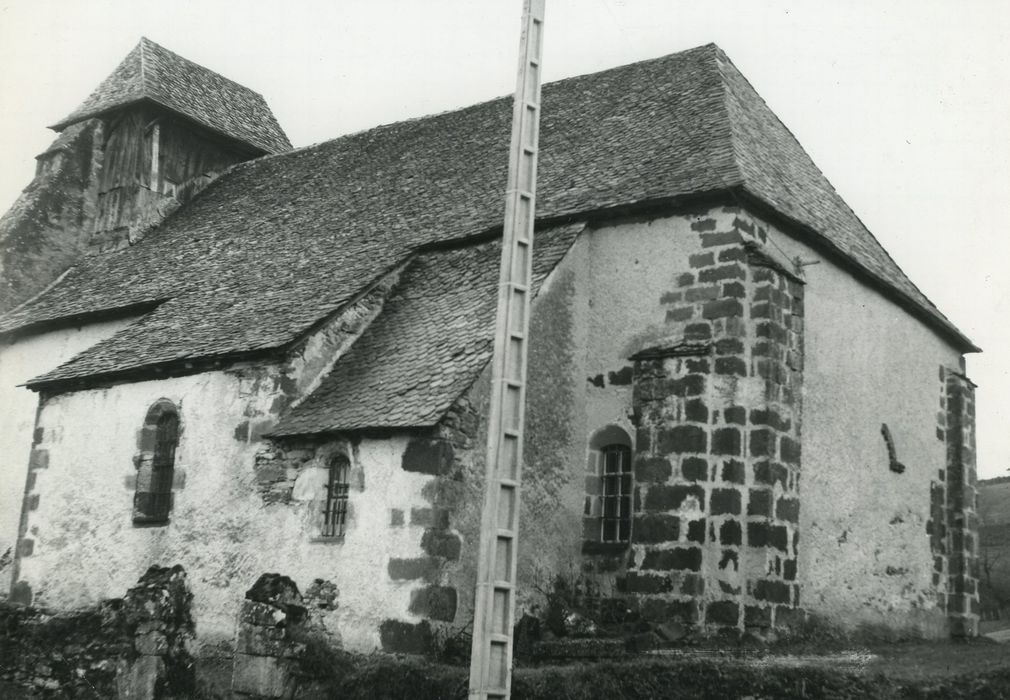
(718, 451)
(961, 512)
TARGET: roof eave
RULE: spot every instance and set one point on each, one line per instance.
(158, 370)
(947, 330)
(253, 149)
(79, 319)
(289, 433)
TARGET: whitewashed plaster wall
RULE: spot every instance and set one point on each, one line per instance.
(19, 362)
(864, 551)
(221, 531)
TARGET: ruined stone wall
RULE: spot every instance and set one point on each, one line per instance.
(872, 524)
(47, 228)
(135, 646)
(72, 654)
(19, 362)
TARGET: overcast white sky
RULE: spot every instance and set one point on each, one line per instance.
(904, 104)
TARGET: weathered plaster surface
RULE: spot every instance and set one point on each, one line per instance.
(865, 552)
(47, 228)
(405, 567)
(220, 529)
(226, 526)
(598, 307)
(19, 362)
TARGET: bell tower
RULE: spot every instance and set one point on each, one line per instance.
(153, 134)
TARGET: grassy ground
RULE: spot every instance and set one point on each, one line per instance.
(919, 670)
(910, 670)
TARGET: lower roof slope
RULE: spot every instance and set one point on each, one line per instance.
(432, 339)
(278, 243)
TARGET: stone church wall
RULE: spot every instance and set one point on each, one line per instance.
(622, 290)
(865, 547)
(402, 575)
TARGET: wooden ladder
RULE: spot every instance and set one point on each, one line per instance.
(494, 609)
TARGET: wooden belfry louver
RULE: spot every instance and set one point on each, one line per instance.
(494, 610)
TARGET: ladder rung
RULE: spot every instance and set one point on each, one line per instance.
(523, 241)
(516, 335)
(514, 384)
(511, 483)
(519, 286)
(509, 432)
(503, 585)
(529, 151)
(497, 692)
(506, 533)
(498, 637)
(525, 194)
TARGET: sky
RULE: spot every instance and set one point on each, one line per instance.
(904, 104)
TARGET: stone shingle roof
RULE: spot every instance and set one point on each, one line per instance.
(277, 243)
(152, 72)
(434, 336)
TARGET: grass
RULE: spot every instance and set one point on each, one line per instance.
(906, 670)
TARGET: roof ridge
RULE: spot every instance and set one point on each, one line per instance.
(482, 103)
(179, 57)
(152, 72)
(282, 239)
(143, 62)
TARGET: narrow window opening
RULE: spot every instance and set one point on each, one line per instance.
(892, 454)
(335, 503)
(609, 503)
(152, 500)
(615, 525)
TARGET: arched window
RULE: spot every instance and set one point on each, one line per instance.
(616, 493)
(609, 487)
(159, 438)
(334, 512)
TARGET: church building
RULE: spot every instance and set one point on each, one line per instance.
(226, 354)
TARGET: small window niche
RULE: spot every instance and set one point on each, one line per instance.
(609, 488)
(892, 455)
(333, 511)
(159, 439)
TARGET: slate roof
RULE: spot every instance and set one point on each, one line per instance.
(434, 336)
(277, 243)
(152, 72)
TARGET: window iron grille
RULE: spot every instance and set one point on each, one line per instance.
(335, 505)
(615, 523)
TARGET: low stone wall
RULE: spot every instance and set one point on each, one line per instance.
(131, 647)
(66, 655)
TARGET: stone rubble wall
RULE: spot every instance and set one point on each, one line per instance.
(136, 647)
